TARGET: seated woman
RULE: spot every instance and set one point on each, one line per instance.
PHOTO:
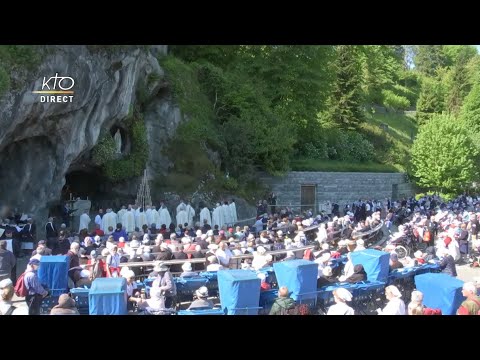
(132, 291)
(395, 305)
(202, 301)
(327, 277)
(187, 270)
(153, 306)
(394, 263)
(341, 297)
(358, 275)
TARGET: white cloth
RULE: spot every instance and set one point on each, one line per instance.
(150, 218)
(227, 218)
(129, 221)
(140, 220)
(205, 215)
(217, 217)
(190, 214)
(396, 306)
(180, 206)
(84, 222)
(164, 217)
(182, 217)
(233, 213)
(120, 214)
(109, 219)
(340, 309)
(155, 218)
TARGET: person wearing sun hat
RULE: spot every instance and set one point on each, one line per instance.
(341, 296)
(66, 306)
(164, 281)
(201, 301)
(395, 305)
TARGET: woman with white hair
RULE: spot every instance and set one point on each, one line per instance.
(416, 301)
(395, 305)
(341, 296)
(129, 275)
(212, 264)
(471, 306)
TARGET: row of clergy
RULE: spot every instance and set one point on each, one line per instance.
(134, 217)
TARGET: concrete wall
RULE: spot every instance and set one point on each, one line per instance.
(341, 188)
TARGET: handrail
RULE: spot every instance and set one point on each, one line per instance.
(202, 260)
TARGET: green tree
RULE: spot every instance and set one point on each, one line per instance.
(443, 156)
(459, 82)
(470, 114)
(430, 58)
(453, 52)
(430, 100)
(346, 100)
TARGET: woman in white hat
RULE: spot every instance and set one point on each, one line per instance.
(201, 301)
(259, 258)
(187, 270)
(395, 305)
(341, 296)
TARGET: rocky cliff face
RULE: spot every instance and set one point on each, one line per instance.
(39, 141)
(42, 142)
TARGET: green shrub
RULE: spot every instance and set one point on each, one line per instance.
(105, 150)
(393, 101)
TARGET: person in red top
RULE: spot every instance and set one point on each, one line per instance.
(98, 231)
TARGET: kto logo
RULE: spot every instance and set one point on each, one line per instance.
(56, 85)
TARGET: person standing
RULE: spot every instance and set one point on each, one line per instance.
(51, 234)
(7, 261)
(84, 221)
(98, 219)
(36, 292)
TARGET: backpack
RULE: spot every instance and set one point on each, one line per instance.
(427, 236)
(20, 288)
(298, 309)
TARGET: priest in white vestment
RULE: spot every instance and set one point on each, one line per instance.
(84, 221)
(182, 217)
(226, 214)
(205, 215)
(190, 213)
(128, 220)
(164, 216)
(233, 211)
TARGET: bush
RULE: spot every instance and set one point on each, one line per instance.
(393, 101)
(105, 150)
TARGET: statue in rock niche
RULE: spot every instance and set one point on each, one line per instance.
(118, 141)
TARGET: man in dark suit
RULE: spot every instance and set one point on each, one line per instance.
(51, 234)
(28, 231)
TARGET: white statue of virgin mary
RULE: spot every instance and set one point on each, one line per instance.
(118, 141)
